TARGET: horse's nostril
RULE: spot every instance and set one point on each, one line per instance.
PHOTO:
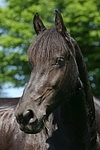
(25, 118)
(28, 114)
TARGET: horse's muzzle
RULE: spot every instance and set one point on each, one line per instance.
(29, 123)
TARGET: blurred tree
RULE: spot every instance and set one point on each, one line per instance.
(82, 19)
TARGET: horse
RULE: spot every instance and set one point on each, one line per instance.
(56, 110)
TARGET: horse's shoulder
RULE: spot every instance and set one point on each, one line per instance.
(8, 102)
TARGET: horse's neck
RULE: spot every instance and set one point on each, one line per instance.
(71, 131)
(64, 136)
(74, 122)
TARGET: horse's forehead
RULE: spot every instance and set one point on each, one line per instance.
(46, 58)
(47, 50)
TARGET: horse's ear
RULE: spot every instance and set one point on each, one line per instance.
(38, 24)
(59, 24)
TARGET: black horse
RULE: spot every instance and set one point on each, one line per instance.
(56, 110)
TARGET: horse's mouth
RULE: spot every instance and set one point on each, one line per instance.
(35, 127)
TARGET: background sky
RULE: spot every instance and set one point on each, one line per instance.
(13, 92)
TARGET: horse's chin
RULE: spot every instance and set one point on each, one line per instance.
(33, 128)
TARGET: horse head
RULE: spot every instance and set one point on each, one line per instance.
(54, 75)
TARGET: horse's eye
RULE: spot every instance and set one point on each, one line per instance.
(60, 62)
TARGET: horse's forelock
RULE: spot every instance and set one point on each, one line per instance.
(47, 45)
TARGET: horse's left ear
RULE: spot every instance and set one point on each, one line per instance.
(59, 24)
(38, 24)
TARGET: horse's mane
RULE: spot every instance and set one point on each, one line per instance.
(47, 45)
(87, 88)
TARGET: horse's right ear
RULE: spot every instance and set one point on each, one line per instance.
(59, 24)
(38, 24)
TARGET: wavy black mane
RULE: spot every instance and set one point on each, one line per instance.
(47, 45)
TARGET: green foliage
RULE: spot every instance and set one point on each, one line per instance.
(82, 19)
